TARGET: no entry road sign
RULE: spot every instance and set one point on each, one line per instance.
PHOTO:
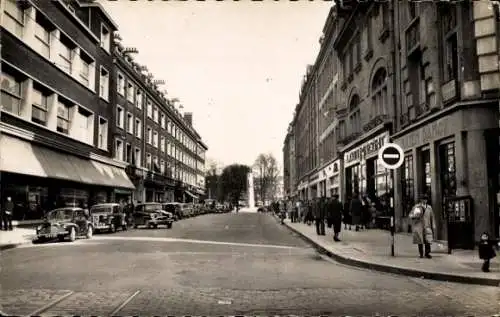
(391, 156)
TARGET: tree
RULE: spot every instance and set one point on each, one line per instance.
(267, 172)
(234, 181)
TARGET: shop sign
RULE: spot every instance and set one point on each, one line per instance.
(314, 177)
(366, 149)
(331, 169)
(432, 131)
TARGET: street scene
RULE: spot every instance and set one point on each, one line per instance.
(219, 264)
(250, 158)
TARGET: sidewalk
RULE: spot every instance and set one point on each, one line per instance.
(372, 249)
(15, 238)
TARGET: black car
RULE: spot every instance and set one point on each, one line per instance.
(151, 215)
(65, 223)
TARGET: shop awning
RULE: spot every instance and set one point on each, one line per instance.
(22, 157)
(191, 194)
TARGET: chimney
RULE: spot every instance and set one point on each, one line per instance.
(188, 117)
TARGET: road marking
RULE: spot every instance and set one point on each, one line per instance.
(128, 300)
(391, 156)
(224, 302)
(51, 304)
(197, 241)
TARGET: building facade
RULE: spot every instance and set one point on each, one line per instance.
(435, 92)
(56, 66)
(164, 154)
(448, 107)
(287, 165)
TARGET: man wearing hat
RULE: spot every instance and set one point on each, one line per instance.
(423, 226)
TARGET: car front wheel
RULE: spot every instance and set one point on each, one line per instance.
(90, 231)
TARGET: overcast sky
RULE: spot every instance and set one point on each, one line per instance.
(237, 66)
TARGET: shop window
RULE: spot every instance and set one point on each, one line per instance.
(447, 169)
(408, 185)
(425, 167)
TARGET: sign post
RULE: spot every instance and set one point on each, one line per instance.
(391, 156)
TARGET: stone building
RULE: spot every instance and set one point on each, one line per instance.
(447, 106)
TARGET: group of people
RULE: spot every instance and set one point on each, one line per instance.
(359, 211)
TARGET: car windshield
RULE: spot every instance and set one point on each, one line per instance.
(170, 208)
(60, 214)
(96, 209)
(152, 207)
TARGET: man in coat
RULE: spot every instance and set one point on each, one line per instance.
(7, 214)
(423, 226)
(319, 217)
(356, 209)
(335, 216)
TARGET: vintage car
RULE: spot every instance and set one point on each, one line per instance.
(65, 223)
(108, 217)
(174, 208)
(151, 215)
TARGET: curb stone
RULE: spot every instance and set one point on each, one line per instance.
(438, 276)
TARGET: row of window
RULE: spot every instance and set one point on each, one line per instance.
(43, 36)
(41, 105)
(124, 152)
(128, 90)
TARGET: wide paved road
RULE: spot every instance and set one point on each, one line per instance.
(215, 264)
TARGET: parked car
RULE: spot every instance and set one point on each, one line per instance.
(151, 215)
(108, 217)
(65, 223)
(187, 210)
(175, 208)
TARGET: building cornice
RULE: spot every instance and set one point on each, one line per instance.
(98, 6)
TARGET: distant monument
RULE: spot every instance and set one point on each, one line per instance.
(251, 194)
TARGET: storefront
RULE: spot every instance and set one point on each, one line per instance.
(448, 156)
(333, 175)
(364, 173)
(313, 188)
(40, 178)
(302, 190)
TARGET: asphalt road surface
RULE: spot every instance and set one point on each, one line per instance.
(224, 264)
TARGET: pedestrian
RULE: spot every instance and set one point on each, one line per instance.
(317, 211)
(356, 209)
(423, 226)
(335, 214)
(347, 213)
(7, 214)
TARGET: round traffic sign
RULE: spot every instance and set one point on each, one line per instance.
(391, 156)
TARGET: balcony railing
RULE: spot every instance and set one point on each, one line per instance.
(157, 178)
(376, 121)
(348, 139)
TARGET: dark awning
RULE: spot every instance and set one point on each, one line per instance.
(191, 194)
(22, 157)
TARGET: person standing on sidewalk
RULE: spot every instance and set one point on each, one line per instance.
(319, 216)
(356, 209)
(347, 213)
(423, 226)
(7, 214)
(335, 214)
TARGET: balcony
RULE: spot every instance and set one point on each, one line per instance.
(413, 37)
(348, 139)
(156, 178)
(376, 121)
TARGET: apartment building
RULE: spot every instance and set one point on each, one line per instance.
(366, 103)
(286, 165)
(448, 113)
(433, 91)
(56, 63)
(164, 153)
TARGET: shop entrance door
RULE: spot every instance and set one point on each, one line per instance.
(492, 137)
(371, 176)
(348, 184)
